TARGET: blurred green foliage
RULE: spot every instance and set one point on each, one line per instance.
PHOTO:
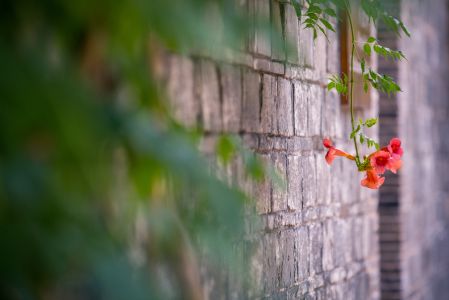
(102, 194)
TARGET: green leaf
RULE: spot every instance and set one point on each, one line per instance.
(404, 29)
(367, 49)
(312, 16)
(254, 167)
(327, 24)
(377, 146)
(371, 122)
(330, 12)
(297, 7)
(354, 133)
(362, 139)
(371, 39)
(225, 149)
(314, 9)
(330, 86)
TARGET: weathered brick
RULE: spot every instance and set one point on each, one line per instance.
(357, 231)
(268, 66)
(314, 104)
(260, 42)
(251, 101)
(231, 87)
(294, 183)
(209, 95)
(291, 33)
(289, 258)
(308, 171)
(306, 47)
(323, 179)
(301, 240)
(277, 42)
(300, 108)
(328, 246)
(279, 201)
(330, 114)
(271, 248)
(284, 103)
(316, 248)
(333, 51)
(263, 190)
(268, 114)
(342, 245)
(180, 88)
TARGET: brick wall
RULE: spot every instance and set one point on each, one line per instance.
(424, 127)
(318, 238)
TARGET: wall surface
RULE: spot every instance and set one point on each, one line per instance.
(389, 194)
(319, 236)
(424, 127)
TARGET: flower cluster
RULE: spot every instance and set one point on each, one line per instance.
(375, 165)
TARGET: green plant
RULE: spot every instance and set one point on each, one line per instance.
(315, 15)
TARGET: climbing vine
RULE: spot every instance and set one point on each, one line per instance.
(315, 15)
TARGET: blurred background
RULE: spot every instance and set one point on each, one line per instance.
(172, 150)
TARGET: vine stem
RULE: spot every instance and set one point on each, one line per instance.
(351, 80)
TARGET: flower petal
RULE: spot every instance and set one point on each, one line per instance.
(330, 156)
(372, 180)
(343, 154)
(394, 165)
(395, 148)
(327, 143)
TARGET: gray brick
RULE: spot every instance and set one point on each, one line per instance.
(309, 180)
(328, 246)
(314, 104)
(333, 51)
(302, 254)
(277, 41)
(180, 88)
(289, 258)
(300, 108)
(268, 113)
(294, 183)
(268, 66)
(357, 233)
(330, 114)
(306, 47)
(263, 190)
(279, 200)
(284, 107)
(231, 83)
(342, 243)
(323, 179)
(316, 248)
(291, 33)
(271, 262)
(251, 101)
(208, 93)
(260, 42)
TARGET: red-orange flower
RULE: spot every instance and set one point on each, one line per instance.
(395, 148)
(383, 160)
(372, 180)
(334, 152)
